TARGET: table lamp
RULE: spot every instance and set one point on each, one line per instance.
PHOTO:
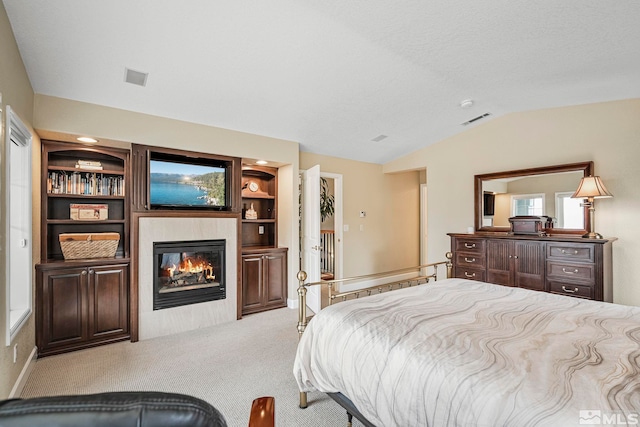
(590, 188)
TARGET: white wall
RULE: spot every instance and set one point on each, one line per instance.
(606, 133)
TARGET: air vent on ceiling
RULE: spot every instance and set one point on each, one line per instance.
(475, 119)
(379, 138)
(135, 77)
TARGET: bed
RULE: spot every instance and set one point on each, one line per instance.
(457, 352)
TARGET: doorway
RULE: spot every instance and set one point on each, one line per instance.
(321, 230)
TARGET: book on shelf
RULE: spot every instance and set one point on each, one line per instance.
(85, 183)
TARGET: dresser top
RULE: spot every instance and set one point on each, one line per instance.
(551, 238)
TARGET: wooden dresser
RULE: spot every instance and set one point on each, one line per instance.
(563, 265)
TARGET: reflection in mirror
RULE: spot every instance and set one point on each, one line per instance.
(539, 192)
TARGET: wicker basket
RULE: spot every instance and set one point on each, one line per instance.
(89, 245)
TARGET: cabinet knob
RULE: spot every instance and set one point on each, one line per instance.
(575, 271)
(469, 275)
(84, 272)
(569, 290)
(469, 245)
(90, 271)
(469, 259)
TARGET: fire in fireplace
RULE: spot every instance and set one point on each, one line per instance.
(188, 272)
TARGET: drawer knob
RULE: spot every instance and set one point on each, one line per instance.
(575, 271)
(469, 259)
(469, 275)
(469, 245)
(569, 290)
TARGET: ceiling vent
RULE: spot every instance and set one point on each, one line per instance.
(135, 77)
(475, 119)
(379, 138)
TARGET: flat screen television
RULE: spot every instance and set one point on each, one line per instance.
(189, 184)
(489, 204)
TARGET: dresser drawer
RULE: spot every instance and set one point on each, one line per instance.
(464, 260)
(469, 245)
(564, 288)
(571, 251)
(462, 272)
(577, 272)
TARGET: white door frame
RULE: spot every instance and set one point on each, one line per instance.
(311, 234)
(423, 225)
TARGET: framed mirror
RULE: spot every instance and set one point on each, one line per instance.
(542, 191)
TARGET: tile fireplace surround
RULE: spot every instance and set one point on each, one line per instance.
(194, 316)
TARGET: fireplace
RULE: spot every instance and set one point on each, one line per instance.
(188, 272)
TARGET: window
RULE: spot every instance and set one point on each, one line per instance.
(18, 242)
(569, 212)
(527, 204)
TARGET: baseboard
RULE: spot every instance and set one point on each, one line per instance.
(292, 303)
(24, 374)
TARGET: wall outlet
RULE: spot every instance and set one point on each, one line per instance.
(261, 229)
(363, 214)
(345, 227)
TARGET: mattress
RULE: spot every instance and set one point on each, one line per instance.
(466, 353)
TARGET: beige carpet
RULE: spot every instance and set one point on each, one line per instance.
(227, 365)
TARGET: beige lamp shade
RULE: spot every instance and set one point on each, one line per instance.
(591, 187)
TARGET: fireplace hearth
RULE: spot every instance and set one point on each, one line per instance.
(188, 272)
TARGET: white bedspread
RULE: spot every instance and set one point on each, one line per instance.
(465, 353)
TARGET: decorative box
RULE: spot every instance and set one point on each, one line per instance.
(527, 225)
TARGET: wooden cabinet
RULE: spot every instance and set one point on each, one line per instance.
(558, 264)
(82, 302)
(264, 280)
(516, 263)
(80, 306)
(264, 265)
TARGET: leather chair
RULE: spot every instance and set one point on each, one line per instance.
(123, 409)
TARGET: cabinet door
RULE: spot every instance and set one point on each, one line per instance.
(107, 307)
(529, 265)
(252, 277)
(499, 257)
(64, 308)
(275, 279)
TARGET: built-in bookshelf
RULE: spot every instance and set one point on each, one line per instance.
(75, 179)
(82, 293)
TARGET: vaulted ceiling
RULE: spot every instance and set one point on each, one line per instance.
(369, 80)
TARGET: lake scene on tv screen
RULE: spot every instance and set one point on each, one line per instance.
(178, 184)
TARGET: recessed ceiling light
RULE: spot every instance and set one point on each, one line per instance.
(86, 139)
(261, 162)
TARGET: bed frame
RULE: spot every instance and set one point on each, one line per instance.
(418, 275)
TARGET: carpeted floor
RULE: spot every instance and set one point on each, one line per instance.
(228, 366)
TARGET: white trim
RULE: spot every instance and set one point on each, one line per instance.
(423, 224)
(16, 391)
(17, 318)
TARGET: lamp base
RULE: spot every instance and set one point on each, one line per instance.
(592, 235)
